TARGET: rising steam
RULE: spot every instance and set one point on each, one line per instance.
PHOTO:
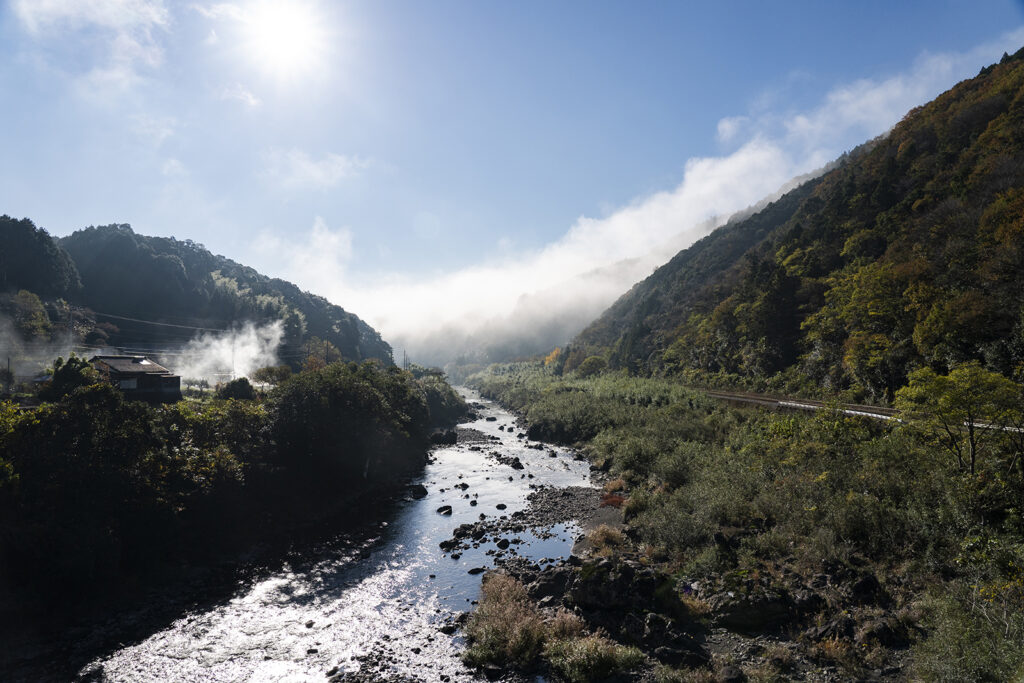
(222, 356)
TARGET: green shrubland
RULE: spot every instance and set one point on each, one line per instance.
(802, 494)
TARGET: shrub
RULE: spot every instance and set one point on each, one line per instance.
(506, 627)
(237, 388)
(974, 635)
(607, 540)
(591, 366)
(590, 658)
(273, 374)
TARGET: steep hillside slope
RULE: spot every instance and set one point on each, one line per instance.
(909, 254)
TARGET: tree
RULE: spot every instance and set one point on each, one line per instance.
(963, 411)
(275, 374)
(30, 316)
(237, 388)
(319, 353)
(68, 376)
(30, 259)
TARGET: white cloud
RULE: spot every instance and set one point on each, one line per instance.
(729, 127)
(558, 282)
(153, 129)
(322, 256)
(129, 27)
(220, 10)
(294, 169)
(119, 15)
(173, 168)
(241, 94)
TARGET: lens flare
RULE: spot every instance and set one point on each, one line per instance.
(285, 39)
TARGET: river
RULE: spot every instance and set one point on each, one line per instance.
(379, 606)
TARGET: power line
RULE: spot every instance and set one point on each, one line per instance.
(153, 322)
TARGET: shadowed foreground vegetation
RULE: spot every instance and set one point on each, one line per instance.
(911, 533)
(94, 488)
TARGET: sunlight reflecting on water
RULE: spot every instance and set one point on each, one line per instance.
(343, 610)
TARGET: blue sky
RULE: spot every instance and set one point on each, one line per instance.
(390, 154)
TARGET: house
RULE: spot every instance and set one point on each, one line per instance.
(139, 378)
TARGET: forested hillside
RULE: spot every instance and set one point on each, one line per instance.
(909, 254)
(118, 274)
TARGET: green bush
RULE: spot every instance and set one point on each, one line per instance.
(590, 658)
(591, 366)
(238, 389)
(803, 493)
(975, 634)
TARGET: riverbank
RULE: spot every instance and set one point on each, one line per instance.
(815, 547)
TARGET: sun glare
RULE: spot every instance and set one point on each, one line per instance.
(285, 39)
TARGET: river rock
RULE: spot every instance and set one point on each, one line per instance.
(444, 510)
(751, 613)
(418, 491)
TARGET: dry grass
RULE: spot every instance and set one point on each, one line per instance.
(612, 500)
(564, 624)
(615, 485)
(666, 674)
(695, 607)
(590, 658)
(506, 627)
(834, 649)
(607, 540)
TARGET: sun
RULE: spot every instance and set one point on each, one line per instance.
(285, 38)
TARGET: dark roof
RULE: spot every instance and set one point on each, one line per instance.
(131, 364)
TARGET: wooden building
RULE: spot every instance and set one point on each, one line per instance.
(139, 378)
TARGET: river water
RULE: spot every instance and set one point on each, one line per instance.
(378, 607)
